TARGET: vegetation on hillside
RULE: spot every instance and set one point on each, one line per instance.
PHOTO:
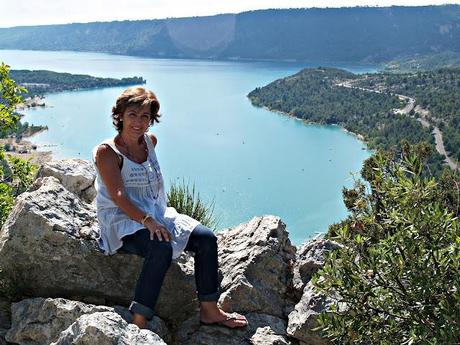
(423, 62)
(437, 91)
(15, 174)
(396, 280)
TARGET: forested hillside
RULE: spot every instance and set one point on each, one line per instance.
(359, 34)
(437, 92)
(368, 105)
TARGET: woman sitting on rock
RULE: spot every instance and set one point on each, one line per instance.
(134, 218)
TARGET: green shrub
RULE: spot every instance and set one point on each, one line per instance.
(6, 201)
(15, 174)
(186, 199)
(397, 278)
(9, 98)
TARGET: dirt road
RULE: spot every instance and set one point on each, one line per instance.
(424, 115)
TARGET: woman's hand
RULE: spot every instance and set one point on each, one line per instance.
(158, 230)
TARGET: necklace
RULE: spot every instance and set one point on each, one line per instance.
(130, 154)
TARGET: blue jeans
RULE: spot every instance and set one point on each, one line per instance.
(157, 259)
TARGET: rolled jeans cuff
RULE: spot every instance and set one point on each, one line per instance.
(210, 297)
(141, 309)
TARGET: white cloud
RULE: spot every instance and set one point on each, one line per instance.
(37, 12)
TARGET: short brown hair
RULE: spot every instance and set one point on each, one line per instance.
(135, 96)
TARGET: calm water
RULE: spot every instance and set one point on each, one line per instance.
(249, 160)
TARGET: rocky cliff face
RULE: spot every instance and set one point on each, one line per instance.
(77, 295)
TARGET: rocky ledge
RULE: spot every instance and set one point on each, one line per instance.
(68, 292)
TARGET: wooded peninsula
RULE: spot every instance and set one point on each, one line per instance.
(382, 108)
(42, 82)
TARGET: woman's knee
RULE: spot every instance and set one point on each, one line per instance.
(205, 238)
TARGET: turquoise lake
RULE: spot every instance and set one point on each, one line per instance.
(250, 161)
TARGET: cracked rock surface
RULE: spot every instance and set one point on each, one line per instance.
(106, 328)
(255, 260)
(76, 175)
(309, 259)
(303, 318)
(37, 321)
(262, 329)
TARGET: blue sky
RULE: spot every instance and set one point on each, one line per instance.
(38, 12)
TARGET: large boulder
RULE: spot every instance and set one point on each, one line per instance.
(37, 321)
(76, 175)
(255, 260)
(40, 320)
(106, 328)
(48, 248)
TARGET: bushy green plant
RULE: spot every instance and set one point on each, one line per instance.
(186, 199)
(15, 174)
(397, 277)
(449, 183)
(9, 98)
(6, 201)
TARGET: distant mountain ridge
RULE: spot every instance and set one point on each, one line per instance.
(355, 34)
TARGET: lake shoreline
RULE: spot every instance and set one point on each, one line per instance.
(376, 65)
(358, 136)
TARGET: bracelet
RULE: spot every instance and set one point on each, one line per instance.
(144, 219)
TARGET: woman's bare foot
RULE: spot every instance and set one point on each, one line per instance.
(140, 321)
(211, 314)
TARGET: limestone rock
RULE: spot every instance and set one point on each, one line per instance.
(255, 260)
(262, 329)
(303, 318)
(266, 336)
(76, 175)
(309, 259)
(106, 328)
(48, 247)
(38, 321)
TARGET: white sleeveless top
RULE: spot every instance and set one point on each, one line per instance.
(144, 185)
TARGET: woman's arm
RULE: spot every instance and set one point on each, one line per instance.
(154, 139)
(107, 164)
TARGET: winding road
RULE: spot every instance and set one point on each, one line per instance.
(423, 119)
